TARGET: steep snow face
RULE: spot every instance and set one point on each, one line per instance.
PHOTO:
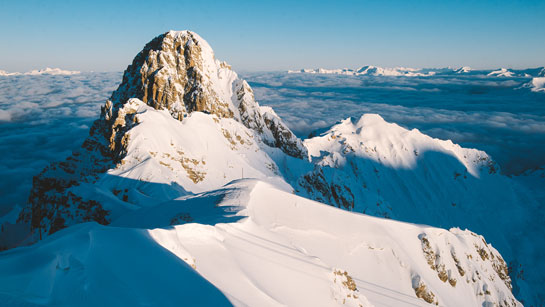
(200, 153)
(165, 151)
(371, 166)
(258, 246)
(398, 146)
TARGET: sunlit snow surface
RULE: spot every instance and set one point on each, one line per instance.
(44, 117)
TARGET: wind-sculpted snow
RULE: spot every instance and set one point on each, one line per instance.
(42, 119)
(257, 246)
(91, 265)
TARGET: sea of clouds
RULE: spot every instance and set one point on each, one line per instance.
(494, 114)
(44, 117)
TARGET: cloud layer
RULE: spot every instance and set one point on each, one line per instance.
(489, 113)
(42, 118)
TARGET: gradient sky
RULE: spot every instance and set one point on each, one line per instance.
(276, 35)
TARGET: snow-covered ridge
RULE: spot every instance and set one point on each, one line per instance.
(46, 71)
(182, 124)
(502, 72)
(398, 147)
(463, 70)
(251, 244)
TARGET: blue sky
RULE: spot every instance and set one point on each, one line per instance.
(277, 35)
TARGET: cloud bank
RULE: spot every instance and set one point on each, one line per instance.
(44, 117)
(486, 112)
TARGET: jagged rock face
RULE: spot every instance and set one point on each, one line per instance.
(174, 72)
(177, 71)
(52, 206)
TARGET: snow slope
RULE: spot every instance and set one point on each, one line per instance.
(378, 168)
(260, 246)
(182, 123)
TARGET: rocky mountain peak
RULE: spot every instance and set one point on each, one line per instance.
(176, 71)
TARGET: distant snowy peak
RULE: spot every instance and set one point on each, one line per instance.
(462, 70)
(537, 84)
(46, 71)
(399, 148)
(52, 71)
(370, 71)
(343, 71)
(502, 72)
(397, 71)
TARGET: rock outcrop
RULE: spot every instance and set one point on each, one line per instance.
(177, 71)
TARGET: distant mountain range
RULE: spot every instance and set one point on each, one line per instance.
(46, 71)
(424, 72)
